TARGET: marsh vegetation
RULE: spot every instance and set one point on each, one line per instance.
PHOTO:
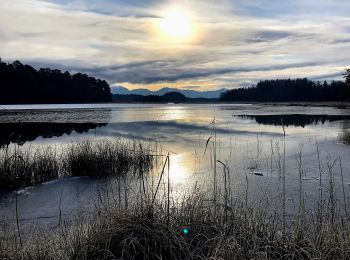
(202, 223)
(345, 137)
(27, 166)
(144, 213)
(196, 226)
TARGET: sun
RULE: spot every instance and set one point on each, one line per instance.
(176, 24)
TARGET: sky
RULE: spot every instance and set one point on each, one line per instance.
(197, 44)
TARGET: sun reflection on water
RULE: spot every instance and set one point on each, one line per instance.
(173, 113)
(181, 167)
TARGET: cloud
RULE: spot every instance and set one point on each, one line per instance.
(329, 76)
(191, 87)
(155, 71)
(237, 42)
(346, 40)
(169, 131)
(266, 36)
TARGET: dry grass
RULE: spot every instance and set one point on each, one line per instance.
(26, 167)
(345, 137)
(107, 158)
(22, 167)
(142, 232)
(151, 225)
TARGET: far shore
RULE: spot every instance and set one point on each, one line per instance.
(336, 104)
(304, 104)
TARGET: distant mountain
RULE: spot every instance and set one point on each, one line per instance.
(120, 90)
(187, 92)
(169, 97)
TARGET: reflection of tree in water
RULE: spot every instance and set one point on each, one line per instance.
(24, 132)
(295, 119)
(30, 125)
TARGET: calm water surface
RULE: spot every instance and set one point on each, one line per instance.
(249, 141)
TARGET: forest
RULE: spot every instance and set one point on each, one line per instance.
(284, 90)
(23, 84)
(170, 97)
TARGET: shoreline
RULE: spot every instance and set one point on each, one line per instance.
(282, 103)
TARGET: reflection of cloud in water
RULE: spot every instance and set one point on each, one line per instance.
(170, 131)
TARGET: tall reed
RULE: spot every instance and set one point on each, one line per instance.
(26, 166)
(194, 226)
(345, 137)
(192, 230)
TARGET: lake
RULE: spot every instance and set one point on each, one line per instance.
(250, 141)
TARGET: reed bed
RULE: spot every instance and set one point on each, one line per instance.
(194, 228)
(345, 137)
(23, 167)
(107, 158)
(201, 224)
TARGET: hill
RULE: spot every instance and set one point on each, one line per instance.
(187, 92)
(169, 97)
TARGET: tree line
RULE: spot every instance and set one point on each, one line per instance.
(284, 90)
(170, 97)
(22, 84)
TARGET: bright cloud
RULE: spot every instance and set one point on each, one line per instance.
(236, 42)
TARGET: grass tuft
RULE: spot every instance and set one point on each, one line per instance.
(141, 232)
(345, 137)
(148, 226)
(23, 167)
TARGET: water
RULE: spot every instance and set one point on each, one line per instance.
(245, 134)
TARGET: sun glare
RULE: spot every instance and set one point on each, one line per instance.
(176, 25)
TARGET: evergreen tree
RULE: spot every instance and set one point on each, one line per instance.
(288, 90)
(22, 84)
(347, 77)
